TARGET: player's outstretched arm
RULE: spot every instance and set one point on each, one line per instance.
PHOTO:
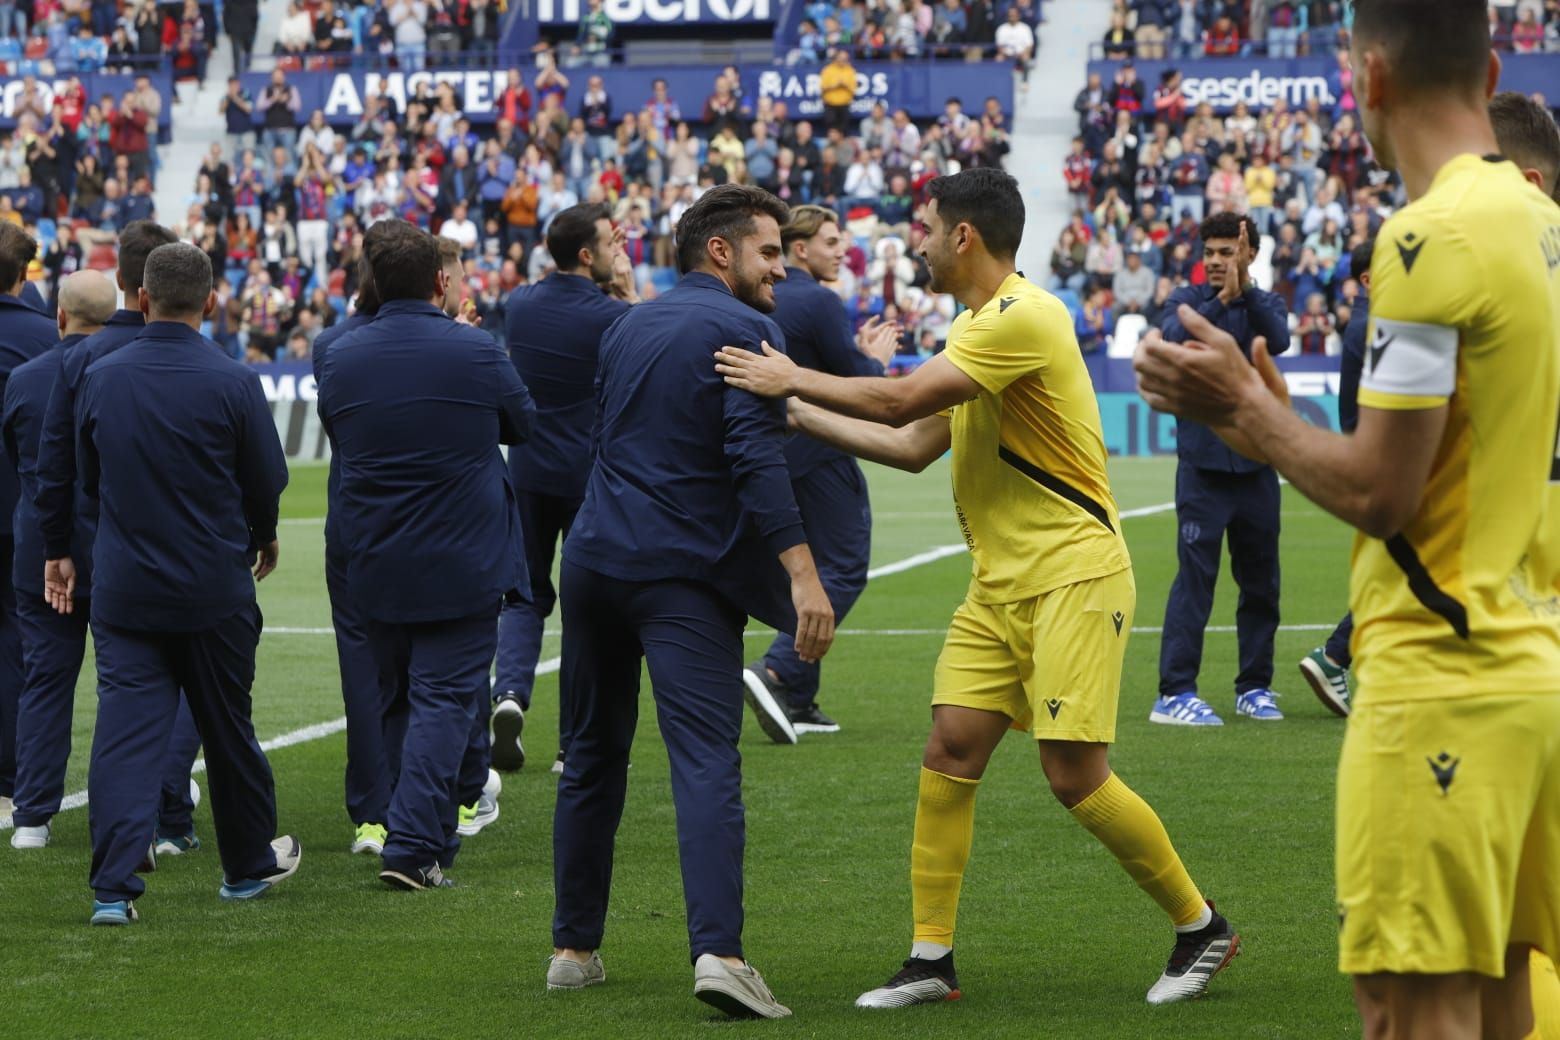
(1373, 480)
(911, 448)
(933, 387)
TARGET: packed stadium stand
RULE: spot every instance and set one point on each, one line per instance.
(299, 124)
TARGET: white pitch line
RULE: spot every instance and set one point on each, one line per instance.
(321, 730)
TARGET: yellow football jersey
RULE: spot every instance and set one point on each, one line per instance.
(1029, 480)
(1465, 311)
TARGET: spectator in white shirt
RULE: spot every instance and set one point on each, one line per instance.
(461, 229)
(864, 179)
(408, 18)
(904, 142)
(1016, 42)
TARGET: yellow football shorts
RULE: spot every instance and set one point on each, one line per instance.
(1052, 664)
(1448, 843)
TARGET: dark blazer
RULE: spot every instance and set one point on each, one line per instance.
(817, 335)
(690, 481)
(1257, 313)
(554, 329)
(1353, 364)
(21, 426)
(322, 345)
(416, 407)
(177, 444)
(24, 334)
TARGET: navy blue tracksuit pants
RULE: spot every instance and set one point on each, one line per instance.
(368, 775)
(1338, 643)
(838, 519)
(139, 678)
(1208, 506)
(436, 698)
(10, 671)
(691, 638)
(53, 646)
(544, 522)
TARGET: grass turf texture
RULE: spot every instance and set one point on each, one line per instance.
(1054, 939)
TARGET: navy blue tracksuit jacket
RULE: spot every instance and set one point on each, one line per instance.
(554, 330)
(176, 443)
(1219, 491)
(1350, 369)
(24, 334)
(686, 511)
(416, 407)
(830, 489)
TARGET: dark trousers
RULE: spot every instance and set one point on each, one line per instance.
(544, 521)
(838, 519)
(438, 685)
(139, 678)
(10, 671)
(1338, 643)
(691, 638)
(368, 775)
(1209, 505)
(53, 645)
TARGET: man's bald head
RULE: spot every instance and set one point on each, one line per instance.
(87, 301)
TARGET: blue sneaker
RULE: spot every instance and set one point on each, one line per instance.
(175, 844)
(1184, 709)
(288, 853)
(1258, 704)
(118, 912)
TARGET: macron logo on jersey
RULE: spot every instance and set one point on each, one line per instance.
(1409, 247)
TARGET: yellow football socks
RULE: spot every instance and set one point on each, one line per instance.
(1546, 997)
(944, 831)
(1131, 830)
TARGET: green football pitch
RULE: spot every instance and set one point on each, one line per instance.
(1054, 940)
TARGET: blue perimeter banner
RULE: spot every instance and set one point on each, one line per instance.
(1131, 427)
(1221, 82)
(920, 88)
(96, 84)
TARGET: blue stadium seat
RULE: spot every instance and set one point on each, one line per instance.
(1070, 298)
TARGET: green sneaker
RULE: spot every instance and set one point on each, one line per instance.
(370, 838)
(1328, 681)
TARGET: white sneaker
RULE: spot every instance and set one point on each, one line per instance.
(194, 793)
(739, 992)
(494, 786)
(472, 818)
(568, 973)
(30, 837)
(6, 808)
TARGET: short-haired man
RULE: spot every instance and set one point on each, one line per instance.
(68, 517)
(1039, 641)
(686, 511)
(52, 644)
(1448, 827)
(553, 329)
(1527, 135)
(416, 407)
(830, 489)
(24, 334)
(178, 446)
(1220, 493)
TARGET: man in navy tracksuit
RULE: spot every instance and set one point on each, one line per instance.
(1218, 491)
(830, 488)
(368, 776)
(688, 525)
(68, 521)
(24, 334)
(1326, 668)
(416, 407)
(554, 330)
(177, 444)
(52, 643)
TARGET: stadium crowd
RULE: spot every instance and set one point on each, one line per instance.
(55, 38)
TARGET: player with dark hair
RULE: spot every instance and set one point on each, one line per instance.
(830, 489)
(554, 331)
(68, 520)
(1527, 135)
(175, 561)
(1039, 641)
(417, 406)
(1448, 829)
(688, 527)
(1220, 493)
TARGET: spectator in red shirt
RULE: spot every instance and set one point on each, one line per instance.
(514, 104)
(1222, 40)
(129, 135)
